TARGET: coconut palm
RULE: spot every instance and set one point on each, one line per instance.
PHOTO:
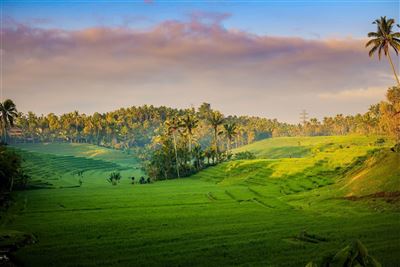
(8, 112)
(198, 155)
(384, 39)
(173, 125)
(189, 123)
(230, 132)
(215, 119)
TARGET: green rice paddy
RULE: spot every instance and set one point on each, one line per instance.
(246, 213)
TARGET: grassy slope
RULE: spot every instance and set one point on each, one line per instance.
(81, 150)
(380, 172)
(238, 213)
(56, 165)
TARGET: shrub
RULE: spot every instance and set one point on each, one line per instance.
(355, 254)
(114, 178)
(245, 155)
(396, 148)
(11, 172)
(379, 142)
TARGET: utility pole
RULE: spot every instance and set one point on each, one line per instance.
(304, 117)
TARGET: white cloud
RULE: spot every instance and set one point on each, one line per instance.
(369, 93)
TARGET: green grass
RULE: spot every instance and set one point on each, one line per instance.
(246, 212)
(81, 150)
(57, 165)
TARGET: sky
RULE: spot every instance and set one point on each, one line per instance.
(263, 58)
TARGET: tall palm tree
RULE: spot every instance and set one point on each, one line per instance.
(189, 122)
(198, 155)
(8, 112)
(230, 133)
(173, 125)
(383, 39)
(215, 119)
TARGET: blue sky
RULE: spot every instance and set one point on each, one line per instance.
(307, 19)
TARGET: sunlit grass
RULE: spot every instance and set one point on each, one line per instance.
(243, 212)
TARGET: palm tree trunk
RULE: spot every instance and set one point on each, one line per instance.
(215, 139)
(176, 155)
(2, 133)
(190, 144)
(5, 135)
(394, 70)
(11, 184)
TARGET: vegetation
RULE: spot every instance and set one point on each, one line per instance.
(235, 213)
(11, 173)
(114, 178)
(59, 165)
(170, 154)
(8, 113)
(355, 254)
(383, 39)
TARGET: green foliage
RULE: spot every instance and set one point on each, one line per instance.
(114, 178)
(245, 155)
(11, 173)
(8, 113)
(353, 255)
(383, 39)
(379, 141)
(134, 127)
(173, 153)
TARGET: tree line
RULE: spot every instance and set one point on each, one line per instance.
(135, 126)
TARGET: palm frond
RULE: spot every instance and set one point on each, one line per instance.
(372, 51)
(379, 52)
(373, 34)
(372, 41)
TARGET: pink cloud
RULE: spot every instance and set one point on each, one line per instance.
(174, 56)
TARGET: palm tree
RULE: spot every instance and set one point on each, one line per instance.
(198, 155)
(189, 122)
(173, 125)
(8, 112)
(230, 133)
(215, 119)
(383, 39)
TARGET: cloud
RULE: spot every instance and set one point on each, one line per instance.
(371, 93)
(176, 63)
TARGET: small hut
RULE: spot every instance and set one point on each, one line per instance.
(14, 132)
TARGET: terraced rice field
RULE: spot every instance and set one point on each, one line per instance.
(246, 213)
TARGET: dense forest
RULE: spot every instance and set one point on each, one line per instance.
(136, 126)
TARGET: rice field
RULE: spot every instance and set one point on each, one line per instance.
(246, 213)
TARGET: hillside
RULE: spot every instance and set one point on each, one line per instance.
(353, 165)
(246, 212)
(53, 165)
(380, 172)
(81, 150)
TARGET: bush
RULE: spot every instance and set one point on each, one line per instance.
(11, 172)
(396, 148)
(355, 254)
(114, 178)
(245, 155)
(379, 142)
